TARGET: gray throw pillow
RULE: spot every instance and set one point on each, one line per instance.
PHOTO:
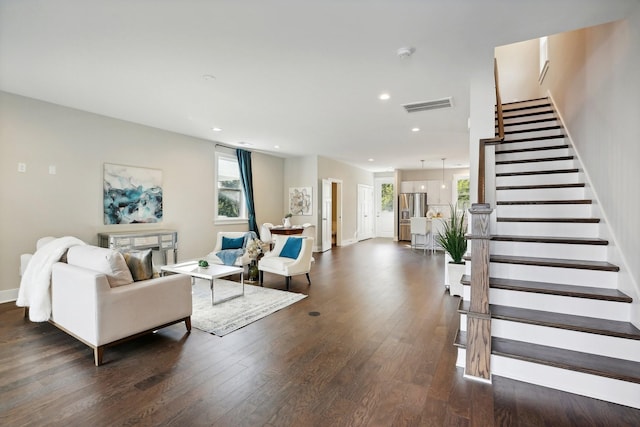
(140, 264)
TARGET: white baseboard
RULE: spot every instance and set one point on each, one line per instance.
(8, 295)
(347, 242)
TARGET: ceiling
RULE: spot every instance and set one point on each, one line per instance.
(301, 75)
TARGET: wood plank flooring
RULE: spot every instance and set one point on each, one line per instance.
(380, 353)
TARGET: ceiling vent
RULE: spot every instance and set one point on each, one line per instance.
(429, 105)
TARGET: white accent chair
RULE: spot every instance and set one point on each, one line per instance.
(212, 258)
(272, 262)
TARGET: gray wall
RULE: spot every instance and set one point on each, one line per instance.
(78, 143)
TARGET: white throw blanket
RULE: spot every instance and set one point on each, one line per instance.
(35, 284)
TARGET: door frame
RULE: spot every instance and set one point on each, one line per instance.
(337, 202)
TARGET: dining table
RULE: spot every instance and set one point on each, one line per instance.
(280, 229)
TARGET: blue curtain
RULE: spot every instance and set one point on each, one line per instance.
(244, 161)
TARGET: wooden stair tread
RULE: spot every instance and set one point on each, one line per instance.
(526, 107)
(574, 291)
(540, 129)
(536, 160)
(541, 172)
(530, 122)
(554, 262)
(535, 138)
(544, 202)
(592, 325)
(564, 220)
(539, 186)
(609, 367)
(525, 150)
(551, 239)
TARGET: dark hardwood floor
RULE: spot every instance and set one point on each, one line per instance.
(379, 353)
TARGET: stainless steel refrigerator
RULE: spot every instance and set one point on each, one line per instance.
(410, 205)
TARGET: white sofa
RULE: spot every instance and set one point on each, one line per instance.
(272, 262)
(212, 258)
(85, 305)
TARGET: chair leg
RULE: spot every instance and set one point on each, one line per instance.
(98, 352)
(308, 279)
(261, 275)
(288, 281)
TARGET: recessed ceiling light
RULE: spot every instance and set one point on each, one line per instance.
(208, 77)
(415, 129)
(216, 129)
(276, 147)
(245, 144)
(384, 96)
(371, 160)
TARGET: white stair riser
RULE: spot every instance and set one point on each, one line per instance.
(567, 276)
(535, 166)
(603, 345)
(544, 211)
(550, 250)
(557, 152)
(539, 179)
(528, 144)
(597, 387)
(508, 120)
(533, 134)
(548, 229)
(611, 310)
(566, 193)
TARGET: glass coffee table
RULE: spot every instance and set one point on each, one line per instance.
(210, 273)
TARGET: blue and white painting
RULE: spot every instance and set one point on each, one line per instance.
(132, 195)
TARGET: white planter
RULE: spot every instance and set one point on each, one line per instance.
(455, 273)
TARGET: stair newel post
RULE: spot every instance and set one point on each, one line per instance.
(479, 318)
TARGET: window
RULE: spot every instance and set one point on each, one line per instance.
(461, 191)
(386, 197)
(230, 195)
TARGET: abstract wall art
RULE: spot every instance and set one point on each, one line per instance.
(300, 202)
(132, 194)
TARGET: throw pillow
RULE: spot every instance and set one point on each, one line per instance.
(106, 261)
(140, 264)
(291, 248)
(229, 243)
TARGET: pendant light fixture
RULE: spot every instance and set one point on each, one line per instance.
(443, 186)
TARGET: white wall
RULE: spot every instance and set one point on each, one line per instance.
(78, 143)
(601, 108)
(518, 67)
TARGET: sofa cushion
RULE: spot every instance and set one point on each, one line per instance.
(104, 260)
(140, 264)
(230, 243)
(291, 248)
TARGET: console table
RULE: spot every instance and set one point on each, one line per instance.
(162, 240)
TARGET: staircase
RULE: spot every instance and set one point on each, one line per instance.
(557, 317)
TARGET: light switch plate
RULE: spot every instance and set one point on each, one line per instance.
(22, 167)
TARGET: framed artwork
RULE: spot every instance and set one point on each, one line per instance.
(131, 194)
(300, 202)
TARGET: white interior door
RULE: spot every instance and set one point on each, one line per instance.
(326, 215)
(365, 212)
(383, 196)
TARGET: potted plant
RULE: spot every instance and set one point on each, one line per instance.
(452, 239)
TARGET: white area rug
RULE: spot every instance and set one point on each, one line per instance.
(228, 316)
